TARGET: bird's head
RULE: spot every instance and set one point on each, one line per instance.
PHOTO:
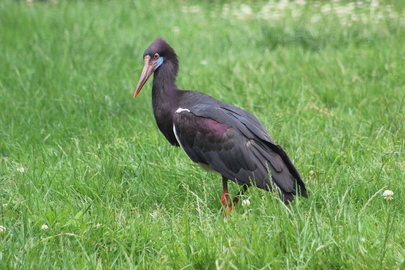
(155, 55)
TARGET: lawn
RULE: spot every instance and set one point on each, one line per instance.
(87, 181)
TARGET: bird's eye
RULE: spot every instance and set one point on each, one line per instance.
(155, 56)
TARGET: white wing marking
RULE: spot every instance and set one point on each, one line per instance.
(179, 110)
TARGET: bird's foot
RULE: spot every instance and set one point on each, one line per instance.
(227, 204)
(225, 199)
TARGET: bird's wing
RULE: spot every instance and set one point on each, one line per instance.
(234, 144)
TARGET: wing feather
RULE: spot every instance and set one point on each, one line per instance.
(234, 143)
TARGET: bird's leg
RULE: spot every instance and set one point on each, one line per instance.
(228, 204)
(240, 193)
(225, 195)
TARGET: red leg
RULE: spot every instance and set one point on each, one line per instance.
(228, 204)
(225, 198)
(225, 195)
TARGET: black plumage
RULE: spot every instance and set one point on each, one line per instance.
(215, 134)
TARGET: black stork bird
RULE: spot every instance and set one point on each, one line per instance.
(216, 135)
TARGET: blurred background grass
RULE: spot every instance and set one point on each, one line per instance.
(81, 156)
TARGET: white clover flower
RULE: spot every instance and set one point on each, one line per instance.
(246, 9)
(393, 15)
(2, 229)
(194, 9)
(283, 4)
(301, 2)
(350, 7)
(316, 18)
(246, 202)
(20, 168)
(380, 16)
(388, 194)
(44, 227)
(184, 9)
(265, 12)
(276, 15)
(176, 29)
(374, 4)
(364, 18)
(326, 8)
(225, 11)
(295, 13)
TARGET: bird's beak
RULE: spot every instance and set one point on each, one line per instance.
(148, 69)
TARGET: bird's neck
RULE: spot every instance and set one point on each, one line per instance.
(164, 86)
(165, 99)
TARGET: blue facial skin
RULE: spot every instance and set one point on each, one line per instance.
(159, 62)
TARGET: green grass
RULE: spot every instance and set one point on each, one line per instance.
(81, 156)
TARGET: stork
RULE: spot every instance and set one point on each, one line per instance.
(216, 135)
